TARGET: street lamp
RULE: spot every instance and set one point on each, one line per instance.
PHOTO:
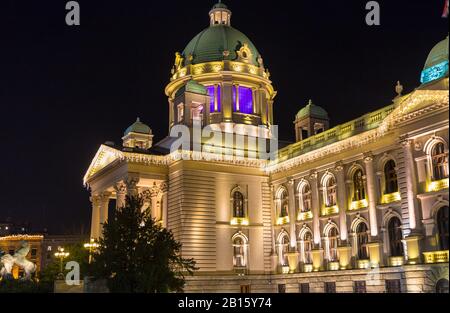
(92, 245)
(61, 255)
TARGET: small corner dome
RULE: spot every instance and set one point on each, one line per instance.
(312, 110)
(139, 127)
(438, 54)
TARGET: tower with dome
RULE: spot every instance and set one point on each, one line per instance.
(341, 201)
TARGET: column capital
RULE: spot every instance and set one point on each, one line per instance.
(290, 181)
(405, 141)
(368, 157)
(120, 187)
(339, 167)
(95, 199)
(105, 196)
(313, 175)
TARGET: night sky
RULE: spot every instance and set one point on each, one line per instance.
(66, 90)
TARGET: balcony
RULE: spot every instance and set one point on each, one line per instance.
(436, 257)
(390, 198)
(396, 261)
(437, 185)
(357, 205)
(242, 221)
(363, 264)
(332, 210)
(283, 220)
(304, 216)
(333, 266)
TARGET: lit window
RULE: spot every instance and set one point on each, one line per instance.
(442, 228)
(239, 252)
(390, 177)
(180, 113)
(307, 247)
(362, 240)
(283, 250)
(359, 192)
(395, 237)
(243, 100)
(213, 98)
(305, 198)
(439, 161)
(330, 191)
(284, 204)
(333, 241)
(238, 205)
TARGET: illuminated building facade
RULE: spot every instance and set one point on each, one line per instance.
(11, 243)
(361, 207)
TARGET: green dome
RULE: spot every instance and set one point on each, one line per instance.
(438, 54)
(220, 5)
(194, 87)
(138, 127)
(312, 110)
(210, 44)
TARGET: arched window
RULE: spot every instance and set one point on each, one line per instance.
(333, 241)
(283, 250)
(395, 236)
(238, 205)
(305, 198)
(390, 177)
(439, 160)
(284, 203)
(362, 240)
(239, 252)
(330, 191)
(307, 247)
(442, 286)
(442, 228)
(359, 192)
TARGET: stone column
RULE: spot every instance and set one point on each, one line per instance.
(413, 249)
(315, 208)
(411, 184)
(273, 255)
(165, 199)
(104, 205)
(121, 192)
(342, 201)
(132, 189)
(292, 217)
(95, 221)
(371, 191)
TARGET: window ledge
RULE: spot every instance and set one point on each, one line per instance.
(327, 211)
(438, 185)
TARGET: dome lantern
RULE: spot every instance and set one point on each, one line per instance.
(220, 15)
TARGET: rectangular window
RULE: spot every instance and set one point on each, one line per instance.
(330, 287)
(180, 113)
(212, 95)
(33, 252)
(281, 288)
(243, 100)
(393, 286)
(245, 289)
(360, 287)
(304, 288)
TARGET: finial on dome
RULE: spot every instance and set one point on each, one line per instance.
(399, 89)
(310, 102)
(138, 120)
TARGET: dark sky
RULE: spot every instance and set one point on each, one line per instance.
(65, 90)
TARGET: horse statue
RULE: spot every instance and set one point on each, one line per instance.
(19, 258)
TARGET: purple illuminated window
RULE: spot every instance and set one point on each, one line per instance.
(210, 90)
(245, 100)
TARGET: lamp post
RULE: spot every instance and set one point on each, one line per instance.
(91, 246)
(61, 255)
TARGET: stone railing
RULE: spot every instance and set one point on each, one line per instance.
(436, 257)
